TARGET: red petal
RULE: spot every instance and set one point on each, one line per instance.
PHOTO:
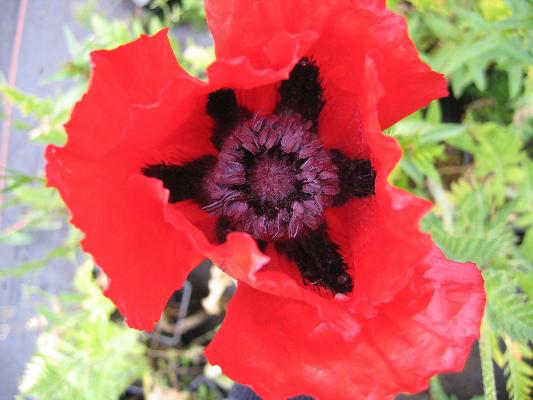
(262, 99)
(381, 241)
(133, 74)
(239, 255)
(259, 42)
(285, 348)
(362, 32)
(409, 83)
(138, 105)
(280, 55)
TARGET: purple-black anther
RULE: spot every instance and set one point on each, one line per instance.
(273, 179)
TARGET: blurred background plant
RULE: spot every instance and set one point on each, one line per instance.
(471, 154)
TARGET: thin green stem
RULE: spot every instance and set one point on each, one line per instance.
(436, 390)
(487, 368)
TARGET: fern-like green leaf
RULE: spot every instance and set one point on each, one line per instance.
(510, 312)
(487, 367)
(84, 356)
(517, 370)
(497, 153)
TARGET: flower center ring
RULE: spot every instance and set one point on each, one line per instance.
(273, 179)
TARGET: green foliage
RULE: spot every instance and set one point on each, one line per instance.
(67, 250)
(183, 12)
(478, 172)
(498, 156)
(518, 371)
(437, 392)
(83, 354)
(49, 116)
(196, 58)
(470, 44)
(509, 311)
(43, 208)
(27, 103)
(485, 351)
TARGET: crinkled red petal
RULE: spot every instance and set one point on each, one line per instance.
(258, 42)
(378, 236)
(409, 84)
(366, 31)
(282, 52)
(137, 101)
(286, 348)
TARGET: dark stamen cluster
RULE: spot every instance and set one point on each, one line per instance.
(273, 178)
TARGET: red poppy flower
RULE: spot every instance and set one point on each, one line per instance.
(276, 169)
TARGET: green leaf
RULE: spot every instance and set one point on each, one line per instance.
(38, 197)
(434, 114)
(391, 4)
(28, 104)
(424, 5)
(75, 48)
(84, 355)
(494, 10)
(527, 245)
(513, 48)
(477, 74)
(24, 269)
(15, 238)
(437, 392)
(515, 78)
(497, 152)
(411, 170)
(424, 159)
(442, 132)
(517, 370)
(64, 251)
(466, 247)
(469, 51)
(442, 27)
(15, 180)
(487, 368)
(57, 137)
(510, 312)
(477, 234)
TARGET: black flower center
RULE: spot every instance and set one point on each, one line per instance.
(273, 179)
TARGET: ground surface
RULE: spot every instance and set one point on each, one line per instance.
(42, 51)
